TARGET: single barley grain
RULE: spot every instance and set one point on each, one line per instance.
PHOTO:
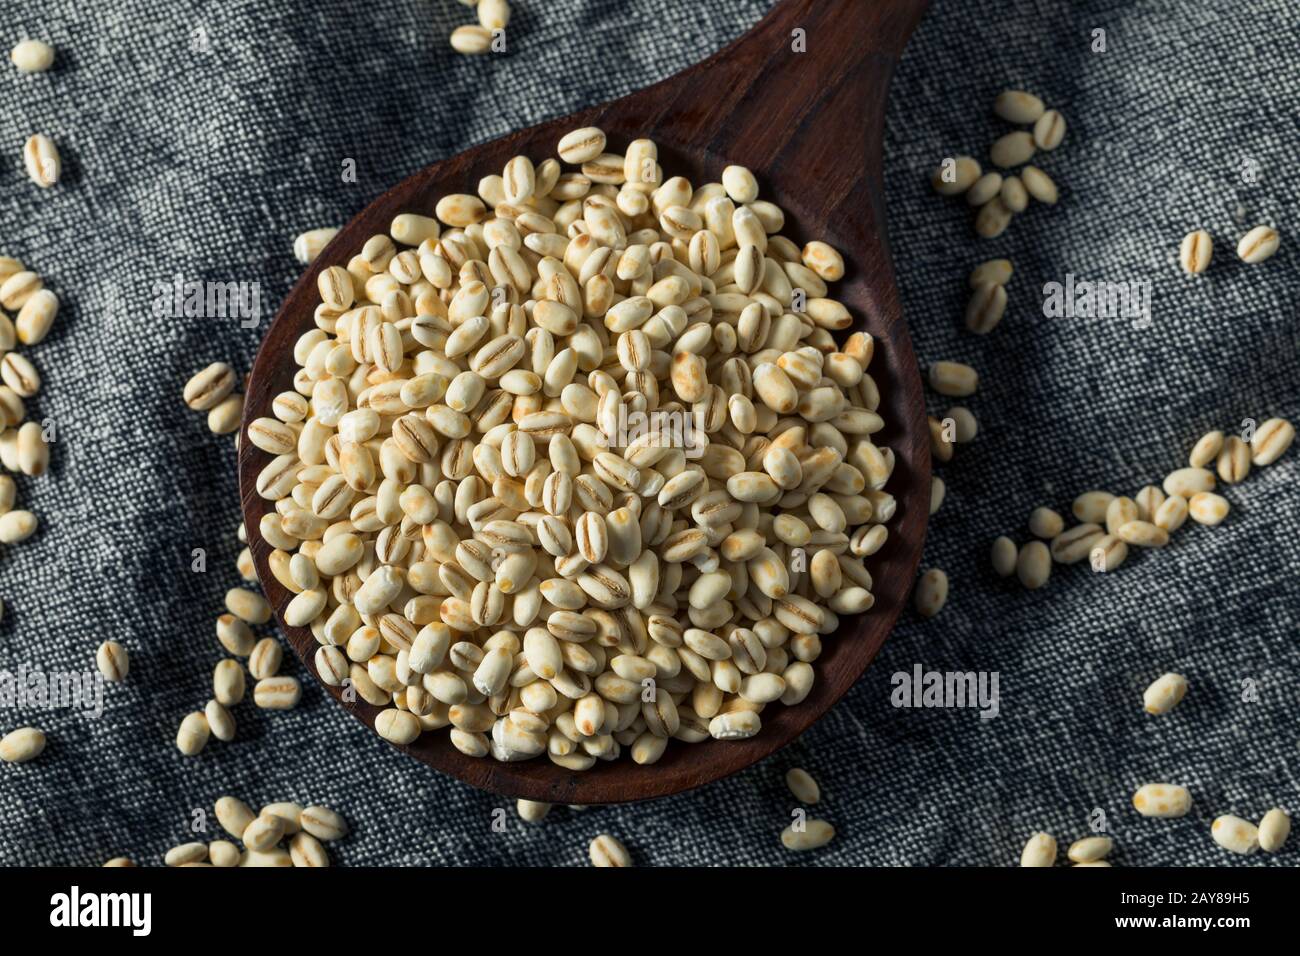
(1195, 252)
(1045, 523)
(1271, 440)
(1090, 849)
(1235, 834)
(112, 661)
(1017, 106)
(1162, 800)
(1034, 565)
(1258, 244)
(471, 40)
(1039, 185)
(1013, 149)
(955, 176)
(990, 272)
(1040, 850)
(32, 56)
(1003, 556)
(1049, 130)
(605, 851)
(22, 745)
(931, 592)
(803, 786)
(42, 160)
(811, 835)
(1164, 694)
(1273, 830)
(985, 189)
(1205, 507)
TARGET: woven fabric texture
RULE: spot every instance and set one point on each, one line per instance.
(199, 138)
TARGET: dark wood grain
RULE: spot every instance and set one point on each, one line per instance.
(810, 126)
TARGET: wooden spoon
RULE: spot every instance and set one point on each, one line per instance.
(809, 124)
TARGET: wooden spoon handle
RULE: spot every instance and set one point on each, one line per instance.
(799, 90)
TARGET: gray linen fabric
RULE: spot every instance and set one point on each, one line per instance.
(206, 164)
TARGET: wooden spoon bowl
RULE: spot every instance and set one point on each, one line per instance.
(809, 124)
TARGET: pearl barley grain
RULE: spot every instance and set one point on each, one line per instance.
(192, 735)
(112, 661)
(1017, 106)
(931, 592)
(225, 417)
(1207, 508)
(1074, 545)
(823, 259)
(1235, 834)
(471, 40)
(209, 386)
(987, 305)
(1014, 195)
(36, 317)
(1045, 523)
(1258, 244)
(1233, 462)
(532, 811)
(1162, 800)
(937, 492)
(955, 176)
(1164, 693)
(953, 379)
(248, 606)
(323, 823)
(234, 816)
(32, 56)
(993, 219)
(965, 425)
(812, 835)
(306, 851)
(1188, 481)
(1206, 449)
(223, 853)
(1049, 130)
(1034, 565)
(1013, 149)
(1039, 185)
(220, 721)
(1195, 252)
(1039, 851)
(1172, 514)
(16, 526)
(186, 854)
(42, 161)
(1271, 440)
(1090, 849)
(263, 833)
(309, 244)
(1107, 553)
(290, 815)
(277, 693)
(803, 786)
(605, 851)
(581, 145)
(1273, 830)
(1143, 534)
(22, 745)
(1003, 556)
(985, 189)
(493, 14)
(33, 452)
